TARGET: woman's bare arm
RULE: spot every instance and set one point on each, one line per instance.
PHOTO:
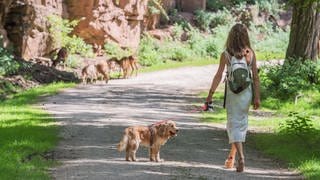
(217, 78)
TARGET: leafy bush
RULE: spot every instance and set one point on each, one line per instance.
(207, 20)
(215, 5)
(179, 20)
(221, 17)
(201, 45)
(271, 41)
(174, 50)
(155, 7)
(152, 51)
(60, 32)
(73, 61)
(203, 19)
(114, 50)
(7, 63)
(269, 6)
(177, 32)
(297, 124)
(148, 54)
(286, 81)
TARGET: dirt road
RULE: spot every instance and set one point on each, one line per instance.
(93, 119)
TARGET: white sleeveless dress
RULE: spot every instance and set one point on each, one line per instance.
(237, 106)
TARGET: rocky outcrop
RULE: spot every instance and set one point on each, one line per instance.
(24, 22)
(105, 21)
(3, 11)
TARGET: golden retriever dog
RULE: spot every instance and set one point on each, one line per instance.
(89, 72)
(113, 64)
(133, 64)
(128, 65)
(102, 68)
(153, 136)
(62, 56)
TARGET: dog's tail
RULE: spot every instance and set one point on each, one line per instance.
(124, 141)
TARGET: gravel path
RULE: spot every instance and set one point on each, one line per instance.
(94, 117)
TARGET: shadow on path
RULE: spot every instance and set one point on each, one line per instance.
(93, 119)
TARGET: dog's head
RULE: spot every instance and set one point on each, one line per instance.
(168, 129)
(112, 63)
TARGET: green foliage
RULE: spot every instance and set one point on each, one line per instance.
(203, 19)
(152, 51)
(214, 5)
(174, 50)
(7, 63)
(222, 17)
(7, 88)
(304, 3)
(297, 124)
(73, 61)
(270, 6)
(155, 7)
(177, 32)
(286, 81)
(269, 40)
(148, 54)
(207, 20)
(179, 20)
(202, 45)
(60, 32)
(114, 50)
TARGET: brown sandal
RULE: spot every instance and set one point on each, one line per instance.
(229, 163)
(240, 166)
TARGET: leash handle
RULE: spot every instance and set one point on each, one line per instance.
(208, 106)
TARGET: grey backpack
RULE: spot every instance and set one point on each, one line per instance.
(239, 74)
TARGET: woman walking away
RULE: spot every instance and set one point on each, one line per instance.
(242, 86)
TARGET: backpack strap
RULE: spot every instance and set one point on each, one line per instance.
(250, 65)
(228, 56)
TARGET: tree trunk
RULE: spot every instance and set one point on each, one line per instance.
(305, 29)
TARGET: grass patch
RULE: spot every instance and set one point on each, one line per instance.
(27, 133)
(6, 88)
(295, 151)
(261, 56)
(177, 64)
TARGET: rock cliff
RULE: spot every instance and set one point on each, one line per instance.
(23, 23)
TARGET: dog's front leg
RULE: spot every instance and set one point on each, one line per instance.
(158, 156)
(152, 154)
(128, 153)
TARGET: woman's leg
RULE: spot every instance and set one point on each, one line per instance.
(239, 148)
(229, 163)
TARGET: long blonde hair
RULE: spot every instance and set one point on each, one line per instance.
(238, 43)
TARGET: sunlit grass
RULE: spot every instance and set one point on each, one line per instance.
(176, 64)
(27, 134)
(269, 55)
(297, 152)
